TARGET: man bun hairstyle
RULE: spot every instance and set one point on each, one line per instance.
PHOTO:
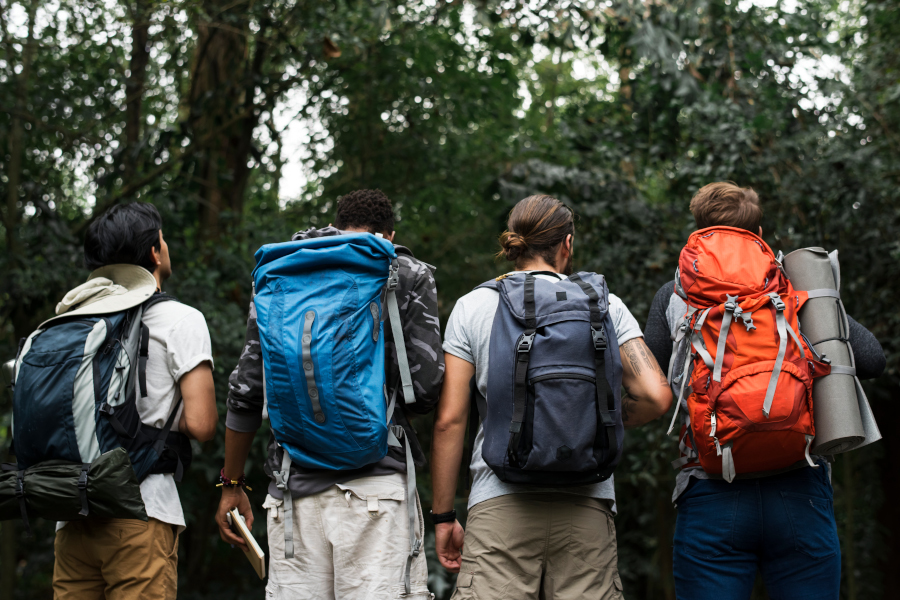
(725, 204)
(124, 234)
(365, 209)
(537, 225)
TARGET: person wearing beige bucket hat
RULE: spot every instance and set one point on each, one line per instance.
(129, 261)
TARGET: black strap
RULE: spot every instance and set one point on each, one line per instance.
(109, 412)
(160, 447)
(605, 400)
(20, 494)
(144, 350)
(520, 391)
(82, 489)
(143, 354)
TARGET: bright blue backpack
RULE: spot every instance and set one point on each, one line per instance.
(319, 308)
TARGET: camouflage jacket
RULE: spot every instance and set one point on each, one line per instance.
(417, 300)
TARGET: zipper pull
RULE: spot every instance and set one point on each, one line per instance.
(718, 448)
(712, 421)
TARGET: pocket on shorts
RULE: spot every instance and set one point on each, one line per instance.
(465, 587)
(814, 527)
(372, 519)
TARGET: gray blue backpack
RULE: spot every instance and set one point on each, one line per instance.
(553, 410)
(81, 448)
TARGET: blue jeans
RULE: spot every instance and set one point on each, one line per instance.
(782, 525)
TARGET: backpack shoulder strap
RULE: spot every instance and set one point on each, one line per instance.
(393, 281)
(144, 343)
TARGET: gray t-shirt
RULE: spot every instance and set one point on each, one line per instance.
(468, 337)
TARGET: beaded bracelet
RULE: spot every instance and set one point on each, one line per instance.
(239, 482)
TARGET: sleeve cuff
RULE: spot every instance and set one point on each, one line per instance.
(243, 422)
(459, 353)
(192, 364)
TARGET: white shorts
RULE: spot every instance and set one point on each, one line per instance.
(351, 542)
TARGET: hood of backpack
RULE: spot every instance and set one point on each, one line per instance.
(718, 262)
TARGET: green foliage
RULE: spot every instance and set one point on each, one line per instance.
(457, 110)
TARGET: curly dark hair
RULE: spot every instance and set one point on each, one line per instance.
(368, 209)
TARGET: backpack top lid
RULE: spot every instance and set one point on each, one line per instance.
(720, 261)
(354, 250)
(554, 300)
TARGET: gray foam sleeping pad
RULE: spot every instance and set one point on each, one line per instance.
(836, 397)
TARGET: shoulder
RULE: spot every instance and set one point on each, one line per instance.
(165, 316)
(412, 269)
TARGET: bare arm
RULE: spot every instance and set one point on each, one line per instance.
(446, 454)
(647, 393)
(199, 418)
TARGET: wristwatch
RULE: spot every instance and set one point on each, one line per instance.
(447, 517)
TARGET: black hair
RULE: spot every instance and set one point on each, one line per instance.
(367, 209)
(124, 234)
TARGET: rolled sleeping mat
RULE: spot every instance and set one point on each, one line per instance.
(838, 400)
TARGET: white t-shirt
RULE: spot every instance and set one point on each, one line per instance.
(468, 336)
(179, 342)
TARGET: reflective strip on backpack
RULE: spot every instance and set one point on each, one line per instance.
(308, 366)
(782, 347)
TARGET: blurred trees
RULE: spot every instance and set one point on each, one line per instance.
(456, 110)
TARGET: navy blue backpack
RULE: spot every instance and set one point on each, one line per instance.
(81, 448)
(553, 411)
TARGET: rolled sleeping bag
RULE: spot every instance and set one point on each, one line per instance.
(841, 411)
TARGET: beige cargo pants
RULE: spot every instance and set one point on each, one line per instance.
(547, 546)
(350, 543)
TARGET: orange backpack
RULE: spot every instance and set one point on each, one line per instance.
(750, 371)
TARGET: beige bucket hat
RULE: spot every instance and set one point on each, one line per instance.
(109, 289)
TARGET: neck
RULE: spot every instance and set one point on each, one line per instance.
(537, 265)
(158, 279)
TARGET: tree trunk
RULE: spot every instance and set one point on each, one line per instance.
(16, 141)
(223, 83)
(134, 86)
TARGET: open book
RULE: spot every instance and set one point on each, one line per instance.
(254, 553)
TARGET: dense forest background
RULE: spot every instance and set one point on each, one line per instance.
(456, 110)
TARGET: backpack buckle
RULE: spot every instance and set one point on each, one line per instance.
(599, 337)
(730, 306)
(394, 276)
(525, 343)
(778, 302)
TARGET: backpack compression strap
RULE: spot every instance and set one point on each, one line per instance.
(395, 434)
(523, 352)
(393, 281)
(605, 399)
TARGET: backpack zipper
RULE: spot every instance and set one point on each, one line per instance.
(562, 376)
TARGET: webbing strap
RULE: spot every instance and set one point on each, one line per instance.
(730, 307)
(843, 370)
(823, 293)
(684, 378)
(809, 441)
(728, 472)
(409, 395)
(699, 343)
(782, 347)
(82, 489)
(605, 400)
(796, 339)
(143, 354)
(110, 413)
(520, 389)
(395, 433)
(282, 478)
(160, 444)
(20, 494)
